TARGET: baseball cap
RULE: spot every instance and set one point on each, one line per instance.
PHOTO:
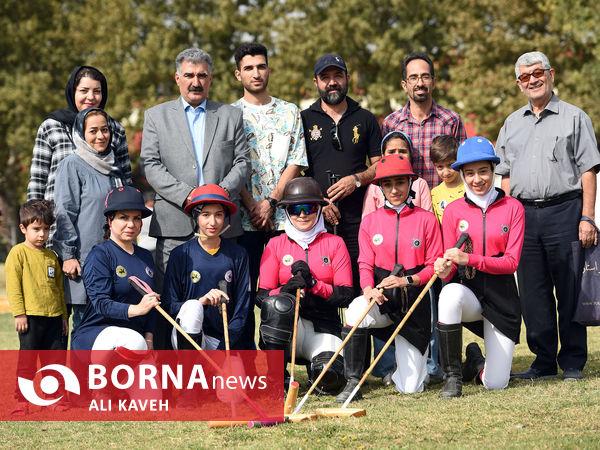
(328, 60)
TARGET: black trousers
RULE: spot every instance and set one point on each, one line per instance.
(43, 333)
(349, 233)
(546, 266)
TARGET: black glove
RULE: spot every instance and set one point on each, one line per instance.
(301, 268)
(293, 284)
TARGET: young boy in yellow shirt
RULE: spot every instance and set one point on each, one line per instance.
(443, 155)
(35, 292)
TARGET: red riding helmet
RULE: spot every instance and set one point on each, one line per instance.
(393, 166)
(210, 193)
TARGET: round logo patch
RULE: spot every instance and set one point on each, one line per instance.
(315, 133)
(195, 276)
(463, 225)
(377, 239)
(326, 260)
(121, 271)
(228, 276)
(149, 272)
(287, 260)
(416, 242)
(504, 229)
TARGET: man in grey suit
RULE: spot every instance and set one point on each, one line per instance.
(186, 143)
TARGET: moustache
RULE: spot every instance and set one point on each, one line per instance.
(333, 88)
(196, 89)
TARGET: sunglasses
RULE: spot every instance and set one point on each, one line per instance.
(335, 139)
(537, 73)
(295, 210)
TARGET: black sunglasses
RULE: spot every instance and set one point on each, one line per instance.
(337, 144)
(295, 210)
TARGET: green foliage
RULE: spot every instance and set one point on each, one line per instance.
(474, 44)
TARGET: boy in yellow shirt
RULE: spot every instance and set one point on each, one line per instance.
(443, 155)
(35, 291)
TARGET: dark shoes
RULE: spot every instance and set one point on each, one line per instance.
(387, 380)
(572, 375)
(474, 362)
(350, 386)
(533, 374)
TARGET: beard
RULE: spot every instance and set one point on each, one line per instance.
(257, 89)
(420, 97)
(334, 95)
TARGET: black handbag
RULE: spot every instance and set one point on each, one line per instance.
(587, 263)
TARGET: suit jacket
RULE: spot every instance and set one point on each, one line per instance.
(170, 166)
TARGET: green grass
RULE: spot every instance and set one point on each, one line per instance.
(545, 414)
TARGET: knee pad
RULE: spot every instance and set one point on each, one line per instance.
(333, 380)
(183, 343)
(191, 316)
(277, 319)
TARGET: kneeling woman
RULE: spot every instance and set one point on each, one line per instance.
(207, 269)
(398, 233)
(305, 257)
(114, 315)
(483, 293)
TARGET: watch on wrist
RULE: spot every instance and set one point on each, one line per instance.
(409, 280)
(356, 180)
(272, 202)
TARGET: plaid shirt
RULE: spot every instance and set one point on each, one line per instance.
(53, 143)
(440, 121)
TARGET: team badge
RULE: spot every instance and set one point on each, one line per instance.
(121, 271)
(195, 276)
(504, 229)
(149, 272)
(50, 272)
(463, 225)
(287, 260)
(315, 133)
(356, 136)
(228, 276)
(377, 239)
(416, 242)
(443, 204)
(326, 260)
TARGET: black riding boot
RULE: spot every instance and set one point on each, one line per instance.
(450, 342)
(354, 362)
(473, 364)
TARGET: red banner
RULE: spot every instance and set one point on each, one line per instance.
(154, 385)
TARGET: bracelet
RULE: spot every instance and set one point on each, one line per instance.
(587, 219)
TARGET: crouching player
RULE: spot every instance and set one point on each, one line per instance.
(398, 233)
(191, 291)
(305, 257)
(483, 294)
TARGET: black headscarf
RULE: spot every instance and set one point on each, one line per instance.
(67, 116)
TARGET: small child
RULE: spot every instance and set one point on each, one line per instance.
(443, 155)
(35, 292)
(397, 143)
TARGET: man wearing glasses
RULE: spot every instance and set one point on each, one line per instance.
(339, 136)
(549, 159)
(421, 118)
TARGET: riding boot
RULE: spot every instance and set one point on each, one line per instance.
(473, 364)
(354, 362)
(450, 342)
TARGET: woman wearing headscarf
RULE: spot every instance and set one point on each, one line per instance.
(82, 181)
(305, 257)
(481, 292)
(86, 88)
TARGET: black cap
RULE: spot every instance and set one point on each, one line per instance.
(329, 60)
(126, 198)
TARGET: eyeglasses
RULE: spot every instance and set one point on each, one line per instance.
(537, 73)
(335, 139)
(425, 77)
(295, 210)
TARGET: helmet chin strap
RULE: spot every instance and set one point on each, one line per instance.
(200, 235)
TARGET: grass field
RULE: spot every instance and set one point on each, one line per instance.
(545, 414)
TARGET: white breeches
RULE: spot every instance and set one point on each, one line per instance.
(411, 365)
(190, 318)
(459, 304)
(310, 343)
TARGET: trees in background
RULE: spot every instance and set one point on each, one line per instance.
(134, 42)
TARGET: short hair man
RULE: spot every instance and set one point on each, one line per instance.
(421, 118)
(277, 152)
(186, 143)
(340, 135)
(549, 159)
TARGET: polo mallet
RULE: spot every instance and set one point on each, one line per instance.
(333, 178)
(142, 288)
(290, 400)
(223, 287)
(395, 271)
(461, 240)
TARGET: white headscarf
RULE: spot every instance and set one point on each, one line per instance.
(304, 238)
(483, 201)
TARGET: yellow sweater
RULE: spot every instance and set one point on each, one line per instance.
(34, 282)
(442, 196)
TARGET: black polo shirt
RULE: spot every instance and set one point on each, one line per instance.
(360, 137)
